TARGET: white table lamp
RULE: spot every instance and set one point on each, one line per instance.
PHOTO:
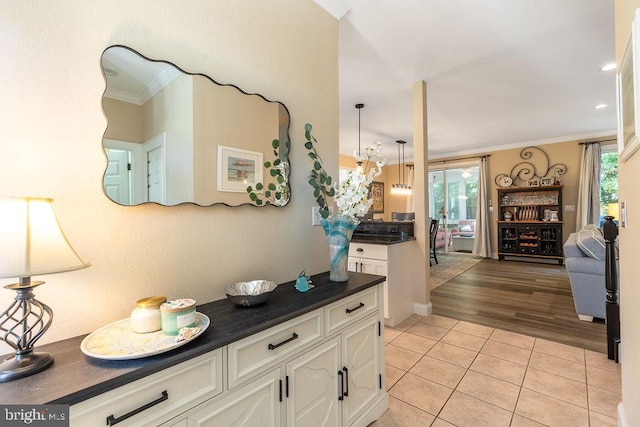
(31, 243)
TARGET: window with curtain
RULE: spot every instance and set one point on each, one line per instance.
(608, 182)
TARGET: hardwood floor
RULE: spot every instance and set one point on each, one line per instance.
(528, 298)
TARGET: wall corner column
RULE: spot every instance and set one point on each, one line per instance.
(421, 293)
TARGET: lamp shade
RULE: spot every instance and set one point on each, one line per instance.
(613, 210)
(31, 240)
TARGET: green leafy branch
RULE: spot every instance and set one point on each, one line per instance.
(319, 179)
(275, 193)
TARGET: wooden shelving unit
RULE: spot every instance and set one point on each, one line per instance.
(525, 228)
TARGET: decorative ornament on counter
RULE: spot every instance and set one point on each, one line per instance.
(177, 314)
(303, 282)
(146, 317)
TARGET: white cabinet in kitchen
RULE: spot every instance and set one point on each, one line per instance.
(394, 261)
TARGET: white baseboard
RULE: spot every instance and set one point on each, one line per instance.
(622, 419)
(422, 309)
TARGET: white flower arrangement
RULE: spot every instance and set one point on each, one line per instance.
(351, 196)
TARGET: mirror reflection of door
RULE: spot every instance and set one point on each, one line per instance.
(154, 176)
(117, 178)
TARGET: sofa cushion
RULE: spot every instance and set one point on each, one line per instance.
(591, 242)
(571, 249)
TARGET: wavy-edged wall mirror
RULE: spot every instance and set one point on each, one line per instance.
(175, 137)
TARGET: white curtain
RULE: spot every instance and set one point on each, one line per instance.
(482, 243)
(588, 210)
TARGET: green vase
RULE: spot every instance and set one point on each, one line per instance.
(339, 229)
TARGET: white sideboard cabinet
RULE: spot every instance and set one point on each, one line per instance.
(396, 263)
(300, 359)
(337, 380)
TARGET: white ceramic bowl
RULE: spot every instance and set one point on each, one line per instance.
(250, 293)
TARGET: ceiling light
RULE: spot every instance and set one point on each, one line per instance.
(401, 187)
(358, 156)
(600, 106)
(608, 67)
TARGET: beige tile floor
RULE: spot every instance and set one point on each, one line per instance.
(443, 372)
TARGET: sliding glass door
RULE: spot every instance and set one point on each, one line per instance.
(453, 199)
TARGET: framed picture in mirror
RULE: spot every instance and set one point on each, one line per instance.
(238, 169)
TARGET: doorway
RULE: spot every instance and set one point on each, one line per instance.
(453, 199)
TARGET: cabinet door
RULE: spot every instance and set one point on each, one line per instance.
(372, 266)
(256, 404)
(507, 238)
(312, 387)
(551, 240)
(361, 359)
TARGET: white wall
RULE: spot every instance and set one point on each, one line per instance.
(628, 178)
(51, 127)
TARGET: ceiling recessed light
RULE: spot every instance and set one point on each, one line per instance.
(600, 106)
(609, 67)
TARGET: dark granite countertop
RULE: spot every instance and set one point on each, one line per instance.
(376, 239)
(75, 377)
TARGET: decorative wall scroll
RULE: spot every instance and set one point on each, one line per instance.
(535, 167)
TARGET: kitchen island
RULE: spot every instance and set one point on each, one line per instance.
(387, 249)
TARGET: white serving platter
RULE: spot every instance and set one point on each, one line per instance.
(117, 341)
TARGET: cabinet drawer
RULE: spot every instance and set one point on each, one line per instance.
(186, 385)
(368, 250)
(533, 250)
(257, 352)
(350, 309)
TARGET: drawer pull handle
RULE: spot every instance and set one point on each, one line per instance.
(346, 380)
(274, 346)
(359, 250)
(341, 375)
(351, 310)
(111, 420)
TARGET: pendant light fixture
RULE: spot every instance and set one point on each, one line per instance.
(358, 156)
(401, 187)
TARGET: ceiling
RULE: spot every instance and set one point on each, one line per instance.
(499, 73)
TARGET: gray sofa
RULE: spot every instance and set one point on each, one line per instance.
(584, 253)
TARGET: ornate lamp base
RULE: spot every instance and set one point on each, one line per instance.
(22, 365)
(21, 325)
